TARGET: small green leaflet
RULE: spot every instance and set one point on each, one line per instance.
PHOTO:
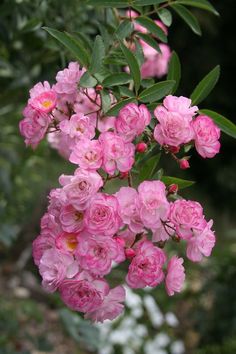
(98, 55)
(125, 29)
(133, 66)
(149, 40)
(188, 17)
(182, 183)
(87, 80)
(223, 123)
(165, 16)
(106, 100)
(205, 86)
(174, 72)
(149, 168)
(117, 79)
(157, 91)
(148, 2)
(152, 27)
(201, 4)
(109, 3)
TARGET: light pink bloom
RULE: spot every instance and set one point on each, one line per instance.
(34, 126)
(61, 142)
(201, 243)
(175, 275)
(40, 245)
(95, 253)
(102, 215)
(174, 129)
(146, 267)
(186, 215)
(42, 97)
(132, 120)
(152, 204)
(163, 233)
(156, 64)
(81, 187)
(67, 82)
(111, 306)
(106, 123)
(54, 267)
(181, 105)
(128, 198)
(84, 294)
(71, 219)
(67, 242)
(87, 154)
(206, 136)
(127, 236)
(78, 126)
(50, 226)
(118, 155)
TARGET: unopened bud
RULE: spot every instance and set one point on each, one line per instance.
(124, 175)
(174, 149)
(130, 253)
(141, 147)
(173, 188)
(183, 164)
(99, 88)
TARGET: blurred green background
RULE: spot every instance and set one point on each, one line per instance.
(202, 319)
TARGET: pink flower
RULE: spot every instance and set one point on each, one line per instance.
(106, 123)
(152, 204)
(40, 245)
(78, 126)
(71, 219)
(102, 215)
(87, 154)
(81, 187)
(54, 267)
(49, 226)
(84, 294)
(118, 155)
(206, 136)
(186, 215)
(156, 64)
(127, 236)
(132, 120)
(95, 253)
(181, 105)
(201, 243)
(175, 275)
(163, 233)
(127, 198)
(111, 306)
(174, 129)
(67, 242)
(67, 82)
(146, 267)
(34, 126)
(61, 142)
(42, 97)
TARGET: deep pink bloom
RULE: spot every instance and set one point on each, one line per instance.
(78, 126)
(146, 267)
(201, 243)
(87, 154)
(102, 215)
(81, 187)
(42, 97)
(111, 306)
(175, 275)
(118, 155)
(71, 219)
(184, 164)
(152, 204)
(54, 267)
(132, 120)
(206, 136)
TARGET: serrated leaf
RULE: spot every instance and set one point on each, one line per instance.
(125, 29)
(87, 80)
(109, 3)
(152, 27)
(117, 79)
(157, 91)
(174, 71)
(202, 4)
(205, 86)
(106, 100)
(116, 108)
(165, 16)
(188, 17)
(133, 65)
(223, 123)
(98, 55)
(149, 168)
(71, 44)
(149, 40)
(182, 183)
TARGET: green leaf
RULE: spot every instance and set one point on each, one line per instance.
(116, 108)
(174, 71)
(124, 91)
(152, 27)
(105, 35)
(117, 79)
(133, 66)
(106, 100)
(109, 3)
(149, 40)
(223, 123)
(188, 17)
(205, 86)
(157, 91)
(182, 183)
(71, 44)
(87, 80)
(149, 168)
(148, 2)
(165, 16)
(139, 52)
(125, 29)
(97, 55)
(201, 4)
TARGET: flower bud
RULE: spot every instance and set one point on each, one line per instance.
(141, 147)
(99, 88)
(120, 240)
(184, 164)
(130, 253)
(124, 175)
(174, 149)
(173, 188)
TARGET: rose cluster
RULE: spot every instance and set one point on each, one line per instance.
(86, 231)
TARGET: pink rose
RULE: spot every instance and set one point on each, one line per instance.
(49, 226)
(163, 233)
(175, 275)
(118, 155)
(156, 64)
(201, 243)
(106, 123)
(78, 126)
(61, 142)
(146, 267)
(186, 215)
(127, 236)
(71, 219)
(206, 136)
(132, 120)
(95, 253)
(111, 306)
(54, 267)
(42, 97)
(81, 187)
(102, 215)
(152, 203)
(87, 154)
(67, 242)
(181, 105)
(40, 245)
